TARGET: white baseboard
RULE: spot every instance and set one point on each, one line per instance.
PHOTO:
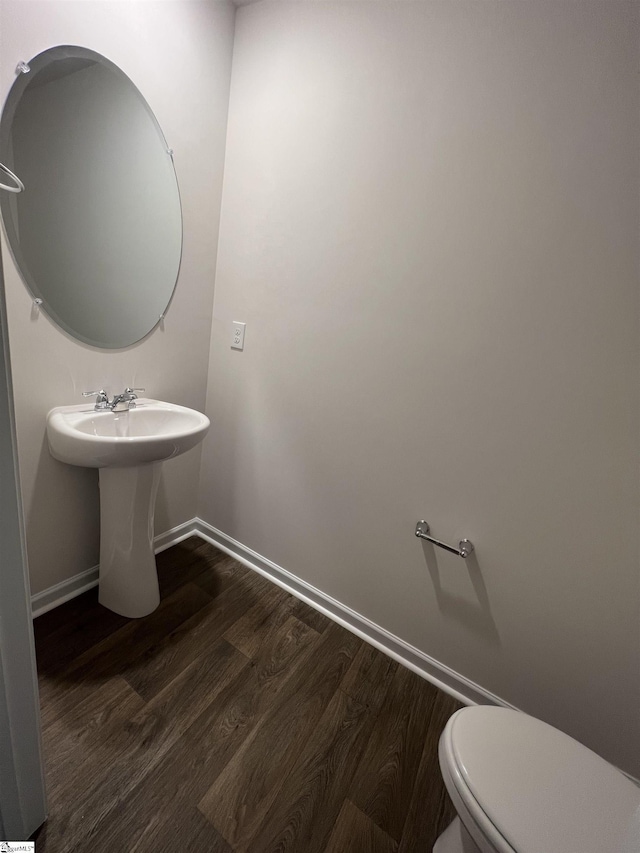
(456, 685)
(442, 676)
(177, 534)
(67, 589)
(63, 591)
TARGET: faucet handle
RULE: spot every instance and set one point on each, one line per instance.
(102, 399)
(131, 396)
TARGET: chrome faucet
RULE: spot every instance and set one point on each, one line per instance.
(120, 403)
(127, 399)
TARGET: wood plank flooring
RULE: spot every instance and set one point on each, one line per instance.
(233, 718)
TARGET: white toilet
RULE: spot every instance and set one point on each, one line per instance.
(521, 786)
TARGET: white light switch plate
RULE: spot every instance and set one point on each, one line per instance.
(237, 335)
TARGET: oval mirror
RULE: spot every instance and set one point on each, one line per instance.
(97, 231)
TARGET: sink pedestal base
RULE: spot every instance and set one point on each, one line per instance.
(128, 574)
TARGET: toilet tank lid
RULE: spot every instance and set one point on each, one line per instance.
(540, 788)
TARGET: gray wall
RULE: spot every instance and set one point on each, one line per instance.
(178, 53)
(430, 226)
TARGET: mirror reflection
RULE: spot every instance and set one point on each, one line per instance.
(97, 232)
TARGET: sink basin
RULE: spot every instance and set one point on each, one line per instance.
(129, 448)
(152, 432)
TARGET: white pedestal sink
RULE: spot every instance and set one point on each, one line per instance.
(128, 447)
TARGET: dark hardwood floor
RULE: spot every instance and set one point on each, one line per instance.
(233, 718)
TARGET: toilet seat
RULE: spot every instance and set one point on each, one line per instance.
(521, 786)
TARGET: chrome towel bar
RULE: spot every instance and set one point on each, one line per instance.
(465, 546)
